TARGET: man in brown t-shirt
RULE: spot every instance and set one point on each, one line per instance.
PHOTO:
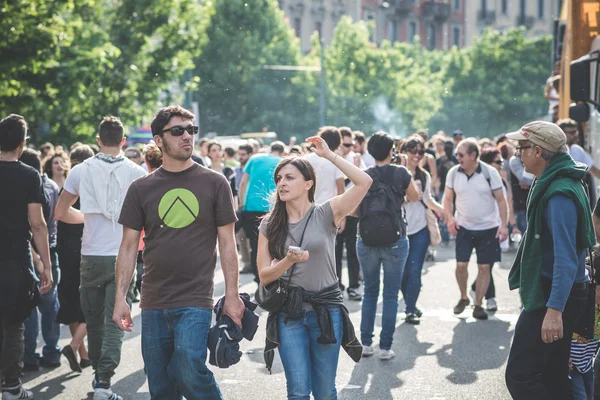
(183, 209)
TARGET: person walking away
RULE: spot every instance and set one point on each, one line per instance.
(255, 191)
(309, 334)
(477, 190)
(21, 219)
(101, 183)
(183, 209)
(416, 228)
(549, 269)
(68, 247)
(382, 241)
(49, 301)
(244, 152)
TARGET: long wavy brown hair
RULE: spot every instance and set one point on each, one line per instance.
(277, 230)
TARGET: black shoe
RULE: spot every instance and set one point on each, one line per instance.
(69, 354)
(31, 367)
(460, 307)
(479, 313)
(418, 312)
(49, 365)
(412, 319)
(84, 363)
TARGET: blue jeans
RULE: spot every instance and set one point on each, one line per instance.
(309, 366)
(582, 385)
(50, 327)
(393, 259)
(521, 217)
(411, 280)
(174, 352)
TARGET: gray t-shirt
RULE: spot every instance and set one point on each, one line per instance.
(318, 272)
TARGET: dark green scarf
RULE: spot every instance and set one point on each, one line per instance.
(563, 177)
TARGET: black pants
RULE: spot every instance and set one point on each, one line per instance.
(491, 292)
(348, 236)
(536, 370)
(250, 222)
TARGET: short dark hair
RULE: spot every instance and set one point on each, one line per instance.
(472, 146)
(489, 155)
(164, 115)
(80, 153)
(359, 137)
(331, 135)
(31, 158)
(346, 132)
(277, 146)
(214, 143)
(380, 145)
(566, 123)
(13, 131)
(247, 148)
(111, 131)
(137, 151)
(229, 151)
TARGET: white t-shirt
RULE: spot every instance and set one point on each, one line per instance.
(327, 175)
(100, 236)
(580, 155)
(476, 206)
(367, 159)
(350, 158)
(415, 210)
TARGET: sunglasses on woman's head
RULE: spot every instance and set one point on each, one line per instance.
(178, 130)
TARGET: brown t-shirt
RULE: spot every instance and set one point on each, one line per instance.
(180, 213)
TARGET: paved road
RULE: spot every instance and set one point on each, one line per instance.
(446, 357)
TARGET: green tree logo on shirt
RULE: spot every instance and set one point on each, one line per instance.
(178, 208)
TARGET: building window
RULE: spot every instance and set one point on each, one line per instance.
(522, 8)
(431, 36)
(504, 7)
(540, 9)
(484, 7)
(456, 5)
(393, 31)
(319, 29)
(298, 26)
(412, 30)
(456, 36)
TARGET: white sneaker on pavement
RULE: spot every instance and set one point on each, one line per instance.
(368, 351)
(491, 304)
(22, 394)
(386, 354)
(106, 394)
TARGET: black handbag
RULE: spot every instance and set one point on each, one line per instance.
(584, 326)
(272, 297)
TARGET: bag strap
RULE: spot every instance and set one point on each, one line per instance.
(592, 267)
(301, 240)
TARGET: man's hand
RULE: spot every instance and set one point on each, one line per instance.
(234, 307)
(122, 315)
(47, 281)
(452, 226)
(341, 226)
(552, 327)
(502, 233)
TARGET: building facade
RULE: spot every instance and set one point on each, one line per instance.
(536, 16)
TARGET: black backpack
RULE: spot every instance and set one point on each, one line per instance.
(379, 221)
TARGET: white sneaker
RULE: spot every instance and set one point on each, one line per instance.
(368, 351)
(491, 304)
(22, 395)
(106, 394)
(386, 354)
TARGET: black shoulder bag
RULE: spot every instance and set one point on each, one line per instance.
(272, 297)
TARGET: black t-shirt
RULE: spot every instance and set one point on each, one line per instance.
(20, 186)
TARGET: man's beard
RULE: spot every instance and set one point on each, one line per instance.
(173, 154)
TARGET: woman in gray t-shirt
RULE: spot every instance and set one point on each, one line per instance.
(309, 365)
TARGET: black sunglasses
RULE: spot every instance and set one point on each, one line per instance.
(178, 130)
(415, 151)
(499, 162)
(348, 144)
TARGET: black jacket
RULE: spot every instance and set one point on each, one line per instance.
(331, 296)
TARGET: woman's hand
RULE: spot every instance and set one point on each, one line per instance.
(296, 258)
(320, 147)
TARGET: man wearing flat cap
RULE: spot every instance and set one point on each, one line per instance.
(549, 269)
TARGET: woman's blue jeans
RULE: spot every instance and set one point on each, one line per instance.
(174, 350)
(309, 366)
(411, 280)
(371, 259)
(582, 385)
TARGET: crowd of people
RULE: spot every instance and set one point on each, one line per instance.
(87, 231)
